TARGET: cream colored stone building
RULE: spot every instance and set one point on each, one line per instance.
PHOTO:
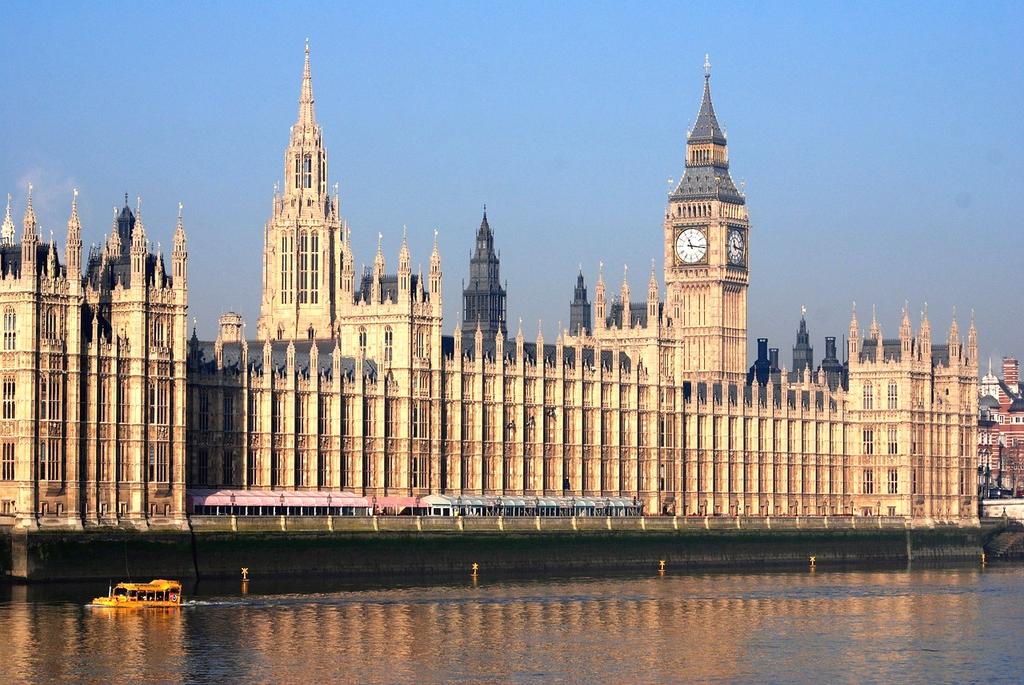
(351, 384)
(92, 366)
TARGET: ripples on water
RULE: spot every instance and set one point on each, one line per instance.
(953, 625)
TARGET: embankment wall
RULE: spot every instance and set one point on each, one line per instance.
(382, 547)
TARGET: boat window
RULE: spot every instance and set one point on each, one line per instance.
(118, 591)
(131, 594)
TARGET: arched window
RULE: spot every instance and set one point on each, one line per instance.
(296, 173)
(389, 344)
(314, 268)
(307, 172)
(287, 269)
(158, 335)
(869, 396)
(303, 267)
(421, 344)
(10, 329)
(893, 396)
(362, 339)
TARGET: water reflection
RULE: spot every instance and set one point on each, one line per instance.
(929, 624)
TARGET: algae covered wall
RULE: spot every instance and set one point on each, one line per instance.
(408, 548)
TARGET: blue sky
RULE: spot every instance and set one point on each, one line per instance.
(881, 145)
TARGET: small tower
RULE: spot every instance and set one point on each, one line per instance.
(955, 346)
(579, 308)
(179, 255)
(29, 239)
(138, 250)
(600, 312)
(404, 268)
(652, 299)
(906, 335)
(803, 352)
(624, 296)
(483, 296)
(853, 337)
(435, 275)
(7, 230)
(972, 342)
(73, 250)
(925, 335)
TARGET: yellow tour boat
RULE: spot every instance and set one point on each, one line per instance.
(156, 594)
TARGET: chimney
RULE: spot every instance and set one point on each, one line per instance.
(1011, 371)
(762, 349)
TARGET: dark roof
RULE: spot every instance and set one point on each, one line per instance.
(10, 258)
(388, 286)
(989, 401)
(706, 127)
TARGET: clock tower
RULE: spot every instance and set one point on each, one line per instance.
(707, 243)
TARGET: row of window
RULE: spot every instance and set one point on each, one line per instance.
(892, 396)
(308, 271)
(868, 482)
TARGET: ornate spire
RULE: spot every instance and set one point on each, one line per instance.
(876, 330)
(29, 222)
(307, 116)
(7, 231)
(73, 254)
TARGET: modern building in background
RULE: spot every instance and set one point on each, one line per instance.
(1001, 429)
(350, 383)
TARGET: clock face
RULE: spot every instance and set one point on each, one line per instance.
(691, 245)
(737, 247)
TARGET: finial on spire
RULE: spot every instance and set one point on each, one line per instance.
(307, 46)
(181, 206)
(707, 65)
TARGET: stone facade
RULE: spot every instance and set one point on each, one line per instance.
(351, 383)
(93, 371)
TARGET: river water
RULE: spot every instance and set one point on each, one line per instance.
(918, 625)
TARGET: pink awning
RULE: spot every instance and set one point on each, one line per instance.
(273, 498)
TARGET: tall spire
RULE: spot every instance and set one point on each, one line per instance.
(307, 116)
(706, 128)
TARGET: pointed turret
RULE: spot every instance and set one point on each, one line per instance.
(600, 311)
(28, 221)
(435, 273)
(972, 342)
(7, 230)
(404, 267)
(138, 249)
(853, 337)
(906, 334)
(955, 346)
(925, 335)
(179, 255)
(29, 238)
(626, 320)
(73, 249)
(652, 298)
